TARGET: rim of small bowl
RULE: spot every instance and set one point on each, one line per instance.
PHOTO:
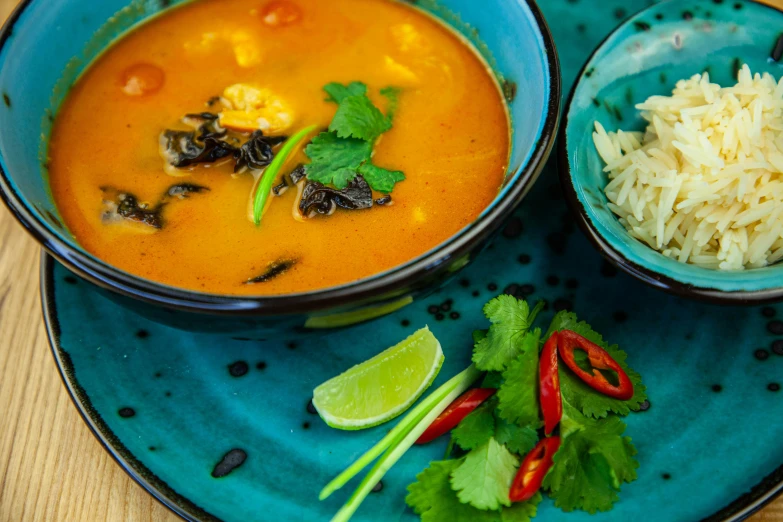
(124, 283)
(641, 272)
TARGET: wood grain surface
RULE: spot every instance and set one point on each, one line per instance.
(51, 467)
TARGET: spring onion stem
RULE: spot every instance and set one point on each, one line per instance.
(405, 437)
(395, 434)
(270, 174)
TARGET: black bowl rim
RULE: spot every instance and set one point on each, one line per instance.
(739, 509)
(114, 279)
(644, 274)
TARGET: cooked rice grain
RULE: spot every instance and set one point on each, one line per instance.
(704, 183)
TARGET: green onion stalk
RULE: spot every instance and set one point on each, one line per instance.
(270, 174)
(398, 441)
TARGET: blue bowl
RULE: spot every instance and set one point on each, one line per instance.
(44, 47)
(646, 56)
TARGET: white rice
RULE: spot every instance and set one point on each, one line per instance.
(704, 183)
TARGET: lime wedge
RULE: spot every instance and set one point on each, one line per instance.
(383, 387)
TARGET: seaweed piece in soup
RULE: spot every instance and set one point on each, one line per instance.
(273, 270)
(182, 149)
(318, 198)
(257, 152)
(204, 145)
(184, 190)
(279, 190)
(206, 123)
(296, 175)
(119, 206)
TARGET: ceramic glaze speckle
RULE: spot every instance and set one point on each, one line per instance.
(238, 369)
(643, 57)
(439, 312)
(126, 413)
(230, 461)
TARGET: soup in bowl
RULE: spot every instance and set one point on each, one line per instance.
(261, 165)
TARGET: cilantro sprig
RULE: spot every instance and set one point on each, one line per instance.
(518, 394)
(592, 463)
(511, 320)
(484, 477)
(343, 152)
(579, 394)
(432, 498)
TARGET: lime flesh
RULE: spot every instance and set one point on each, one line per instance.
(383, 387)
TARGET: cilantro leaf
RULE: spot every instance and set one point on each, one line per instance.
(579, 394)
(518, 396)
(521, 511)
(477, 428)
(339, 155)
(511, 318)
(568, 321)
(517, 439)
(485, 422)
(594, 459)
(483, 480)
(492, 380)
(380, 179)
(357, 117)
(432, 498)
(335, 160)
(338, 92)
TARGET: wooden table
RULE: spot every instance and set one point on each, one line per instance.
(51, 467)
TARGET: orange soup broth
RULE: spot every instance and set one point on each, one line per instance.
(450, 137)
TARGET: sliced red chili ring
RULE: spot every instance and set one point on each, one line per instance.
(533, 470)
(600, 359)
(549, 385)
(453, 415)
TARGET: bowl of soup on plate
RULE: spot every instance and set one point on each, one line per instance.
(264, 166)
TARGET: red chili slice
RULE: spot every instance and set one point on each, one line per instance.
(533, 470)
(453, 415)
(549, 385)
(600, 360)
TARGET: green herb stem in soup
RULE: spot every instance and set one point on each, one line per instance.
(256, 147)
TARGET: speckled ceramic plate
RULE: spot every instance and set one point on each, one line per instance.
(219, 429)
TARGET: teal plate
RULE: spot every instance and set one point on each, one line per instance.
(176, 409)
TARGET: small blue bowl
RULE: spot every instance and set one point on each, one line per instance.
(44, 47)
(647, 55)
